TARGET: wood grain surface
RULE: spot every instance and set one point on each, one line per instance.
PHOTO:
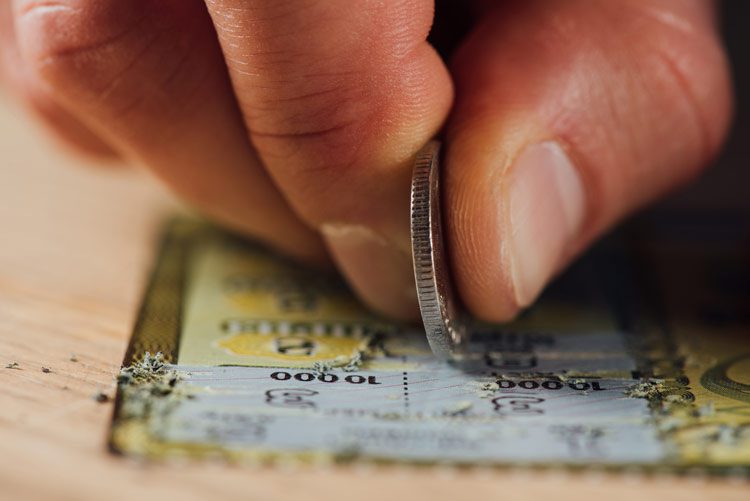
(76, 242)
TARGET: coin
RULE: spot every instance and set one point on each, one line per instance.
(438, 305)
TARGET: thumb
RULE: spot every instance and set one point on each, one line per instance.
(568, 116)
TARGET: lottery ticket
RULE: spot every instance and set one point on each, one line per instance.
(626, 361)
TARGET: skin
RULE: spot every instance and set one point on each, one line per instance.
(296, 121)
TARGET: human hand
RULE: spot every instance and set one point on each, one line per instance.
(297, 121)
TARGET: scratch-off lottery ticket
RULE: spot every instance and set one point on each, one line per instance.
(242, 354)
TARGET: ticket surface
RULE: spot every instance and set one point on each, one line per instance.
(241, 354)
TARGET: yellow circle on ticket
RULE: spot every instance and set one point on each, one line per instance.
(295, 347)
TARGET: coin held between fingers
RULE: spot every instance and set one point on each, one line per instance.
(439, 308)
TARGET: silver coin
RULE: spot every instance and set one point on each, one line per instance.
(438, 304)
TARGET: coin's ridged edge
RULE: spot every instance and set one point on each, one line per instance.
(430, 275)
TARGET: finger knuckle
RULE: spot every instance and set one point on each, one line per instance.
(326, 126)
(311, 78)
(71, 41)
(96, 52)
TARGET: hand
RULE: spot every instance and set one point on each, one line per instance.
(296, 121)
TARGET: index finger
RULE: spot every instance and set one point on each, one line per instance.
(338, 96)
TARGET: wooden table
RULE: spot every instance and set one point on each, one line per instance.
(75, 246)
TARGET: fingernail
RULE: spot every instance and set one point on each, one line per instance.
(546, 209)
(380, 273)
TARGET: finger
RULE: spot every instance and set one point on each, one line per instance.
(338, 97)
(13, 75)
(570, 115)
(149, 76)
